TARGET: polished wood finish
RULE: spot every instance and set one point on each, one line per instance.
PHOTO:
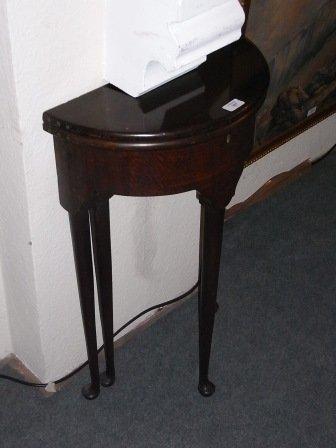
(80, 233)
(212, 221)
(175, 139)
(101, 242)
(246, 4)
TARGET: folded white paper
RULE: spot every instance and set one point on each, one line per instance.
(151, 42)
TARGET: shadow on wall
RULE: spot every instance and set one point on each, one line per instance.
(145, 243)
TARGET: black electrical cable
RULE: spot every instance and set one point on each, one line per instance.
(71, 374)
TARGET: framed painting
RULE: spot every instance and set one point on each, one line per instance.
(298, 39)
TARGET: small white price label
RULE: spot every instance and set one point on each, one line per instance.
(233, 105)
(312, 111)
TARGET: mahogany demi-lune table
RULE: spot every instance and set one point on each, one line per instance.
(174, 139)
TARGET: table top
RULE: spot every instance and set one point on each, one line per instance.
(190, 105)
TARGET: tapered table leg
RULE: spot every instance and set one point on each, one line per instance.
(101, 241)
(212, 221)
(80, 232)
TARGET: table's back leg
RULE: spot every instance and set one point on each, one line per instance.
(80, 232)
(101, 241)
(212, 220)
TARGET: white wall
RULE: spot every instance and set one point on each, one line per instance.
(57, 53)
(310, 145)
(15, 251)
(5, 336)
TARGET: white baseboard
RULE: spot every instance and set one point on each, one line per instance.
(310, 145)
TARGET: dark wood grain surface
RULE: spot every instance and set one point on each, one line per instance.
(185, 107)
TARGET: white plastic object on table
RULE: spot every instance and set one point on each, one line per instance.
(151, 42)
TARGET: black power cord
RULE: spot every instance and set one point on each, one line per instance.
(71, 374)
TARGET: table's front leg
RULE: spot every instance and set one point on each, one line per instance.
(81, 241)
(101, 241)
(212, 220)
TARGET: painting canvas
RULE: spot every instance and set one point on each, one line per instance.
(298, 39)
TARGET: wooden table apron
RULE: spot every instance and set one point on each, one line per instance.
(89, 170)
(93, 166)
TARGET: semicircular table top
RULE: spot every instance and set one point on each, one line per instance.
(190, 105)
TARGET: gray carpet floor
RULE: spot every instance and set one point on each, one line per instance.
(273, 356)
